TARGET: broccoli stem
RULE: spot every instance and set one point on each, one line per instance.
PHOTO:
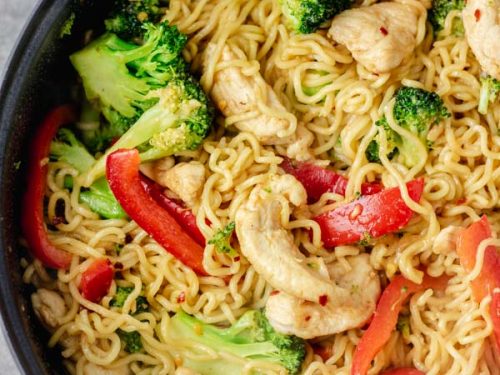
(151, 122)
(484, 97)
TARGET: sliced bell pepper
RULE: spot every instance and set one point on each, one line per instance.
(487, 283)
(181, 214)
(370, 216)
(96, 280)
(122, 172)
(32, 218)
(385, 318)
(403, 371)
(318, 180)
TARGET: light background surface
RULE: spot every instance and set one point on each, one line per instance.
(13, 15)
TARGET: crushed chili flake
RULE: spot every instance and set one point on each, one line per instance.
(57, 220)
(477, 14)
(383, 30)
(181, 298)
(323, 300)
(118, 266)
(237, 259)
(275, 292)
(307, 318)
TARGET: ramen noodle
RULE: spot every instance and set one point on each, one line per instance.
(449, 331)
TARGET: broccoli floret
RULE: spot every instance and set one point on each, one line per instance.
(148, 86)
(122, 294)
(439, 11)
(490, 90)
(393, 140)
(68, 149)
(119, 76)
(306, 16)
(132, 341)
(128, 16)
(180, 121)
(250, 338)
(415, 110)
(222, 240)
(99, 197)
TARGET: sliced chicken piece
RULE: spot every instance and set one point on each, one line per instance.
(156, 170)
(379, 36)
(235, 94)
(270, 248)
(184, 180)
(299, 149)
(93, 369)
(356, 293)
(49, 307)
(482, 29)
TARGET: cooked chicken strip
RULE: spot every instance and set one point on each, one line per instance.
(379, 36)
(49, 307)
(234, 93)
(184, 180)
(270, 248)
(353, 303)
(482, 29)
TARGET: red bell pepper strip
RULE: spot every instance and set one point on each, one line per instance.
(317, 180)
(122, 172)
(403, 371)
(487, 283)
(96, 280)
(32, 218)
(385, 318)
(371, 215)
(181, 214)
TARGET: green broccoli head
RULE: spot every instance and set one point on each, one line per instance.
(132, 342)
(415, 110)
(122, 294)
(393, 141)
(127, 17)
(222, 240)
(251, 337)
(67, 148)
(306, 16)
(119, 75)
(179, 121)
(490, 90)
(439, 11)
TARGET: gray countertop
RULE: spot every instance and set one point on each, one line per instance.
(13, 15)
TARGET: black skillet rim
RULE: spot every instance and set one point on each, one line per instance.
(20, 62)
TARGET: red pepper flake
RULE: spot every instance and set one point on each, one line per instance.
(118, 266)
(307, 318)
(323, 300)
(57, 220)
(181, 298)
(237, 259)
(461, 201)
(275, 292)
(477, 14)
(384, 31)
